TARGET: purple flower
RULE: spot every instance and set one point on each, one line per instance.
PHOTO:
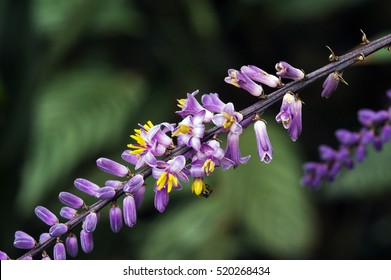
(386, 133)
(90, 222)
(191, 106)
(347, 137)
(59, 251)
(139, 196)
(86, 186)
(111, 167)
(258, 75)
(264, 146)
(115, 184)
(360, 153)
(241, 80)
(161, 199)
(191, 130)
(68, 212)
(70, 200)
(134, 183)
(290, 115)
(3, 256)
(129, 208)
(43, 237)
(232, 151)
(228, 119)
(86, 241)
(58, 229)
(285, 70)
(105, 193)
(115, 216)
(71, 245)
(45, 215)
(330, 84)
(212, 102)
(210, 156)
(327, 153)
(23, 240)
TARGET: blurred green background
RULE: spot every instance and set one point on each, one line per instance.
(77, 76)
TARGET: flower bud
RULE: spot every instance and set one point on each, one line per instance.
(70, 200)
(330, 84)
(43, 237)
(59, 251)
(241, 80)
(86, 186)
(258, 75)
(129, 207)
(285, 70)
(71, 245)
(58, 229)
(112, 167)
(134, 183)
(90, 222)
(68, 212)
(86, 241)
(105, 193)
(45, 215)
(115, 216)
(265, 150)
(23, 240)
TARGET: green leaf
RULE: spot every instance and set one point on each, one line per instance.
(274, 210)
(76, 115)
(371, 177)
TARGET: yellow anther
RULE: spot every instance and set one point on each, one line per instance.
(208, 167)
(181, 102)
(184, 129)
(198, 186)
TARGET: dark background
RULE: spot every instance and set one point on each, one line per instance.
(77, 76)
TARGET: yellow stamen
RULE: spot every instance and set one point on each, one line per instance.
(181, 102)
(184, 129)
(198, 186)
(230, 120)
(208, 167)
(234, 79)
(161, 181)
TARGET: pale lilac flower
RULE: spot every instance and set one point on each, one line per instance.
(86, 241)
(23, 240)
(190, 131)
(90, 222)
(134, 183)
(71, 245)
(86, 186)
(129, 209)
(139, 196)
(290, 115)
(241, 80)
(232, 151)
(212, 102)
(105, 193)
(70, 200)
(111, 167)
(3, 256)
(330, 84)
(210, 156)
(43, 237)
(285, 70)
(265, 150)
(45, 215)
(58, 229)
(68, 212)
(258, 75)
(59, 251)
(191, 106)
(115, 216)
(229, 119)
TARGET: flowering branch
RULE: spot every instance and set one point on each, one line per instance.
(195, 155)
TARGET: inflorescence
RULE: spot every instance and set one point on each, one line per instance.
(191, 151)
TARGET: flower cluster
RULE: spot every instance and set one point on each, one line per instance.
(376, 130)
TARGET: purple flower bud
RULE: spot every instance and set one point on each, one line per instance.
(115, 216)
(70, 200)
(257, 74)
(45, 215)
(241, 80)
(23, 240)
(366, 116)
(360, 153)
(90, 222)
(43, 237)
(367, 136)
(265, 150)
(58, 229)
(71, 245)
(377, 143)
(346, 137)
(161, 199)
(114, 184)
(139, 196)
(285, 70)
(68, 212)
(128, 157)
(386, 133)
(343, 156)
(290, 115)
(334, 170)
(86, 186)
(380, 116)
(134, 183)
(129, 207)
(105, 193)
(3, 256)
(86, 241)
(59, 251)
(330, 84)
(327, 153)
(112, 167)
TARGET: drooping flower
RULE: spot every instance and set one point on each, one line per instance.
(90, 222)
(331, 83)
(287, 71)
(265, 150)
(232, 151)
(241, 80)
(290, 115)
(190, 131)
(190, 106)
(86, 241)
(258, 75)
(211, 155)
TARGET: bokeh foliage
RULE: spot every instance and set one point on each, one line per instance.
(77, 76)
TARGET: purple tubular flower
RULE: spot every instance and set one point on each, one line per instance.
(191, 130)
(191, 106)
(388, 93)
(161, 199)
(229, 119)
(232, 151)
(285, 70)
(241, 80)
(360, 153)
(89, 224)
(290, 115)
(23, 240)
(68, 212)
(347, 137)
(86, 241)
(86, 186)
(70, 200)
(128, 157)
(330, 84)
(366, 117)
(258, 75)
(209, 156)
(43, 237)
(265, 150)
(212, 102)
(58, 229)
(3, 256)
(134, 183)
(105, 193)
(45, 215)
(111, 167)
(59, 251)
(115, 216)
(139, 196)
(129, 207)
(71, 245)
